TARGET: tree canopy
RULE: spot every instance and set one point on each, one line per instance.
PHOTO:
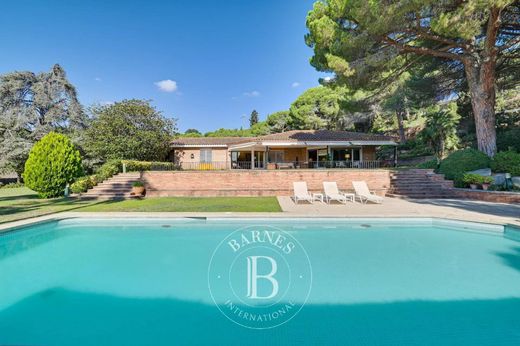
(364, 42)
(130, 129)
(32, 105)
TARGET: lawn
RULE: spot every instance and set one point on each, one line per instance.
(190, 204)
(22, 203)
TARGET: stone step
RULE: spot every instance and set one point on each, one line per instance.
(418, 196)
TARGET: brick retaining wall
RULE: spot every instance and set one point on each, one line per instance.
(257, 183)
(487, 196)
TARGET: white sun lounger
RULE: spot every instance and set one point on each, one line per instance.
(333, 194)
(301, 193)
(364, 194)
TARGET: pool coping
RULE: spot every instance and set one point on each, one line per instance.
(12, 226)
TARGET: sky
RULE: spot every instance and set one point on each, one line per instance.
(206, 63)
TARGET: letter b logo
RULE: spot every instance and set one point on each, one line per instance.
(253, 276)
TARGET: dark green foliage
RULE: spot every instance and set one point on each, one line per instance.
(108, 170)
(140, 166)
(253, 118)
(509, 140)
(470, 178)
(137, 184)
(53, 163)
(506, 162)
(131, 130)
(83, 184)
(462, 161)
(431, 164)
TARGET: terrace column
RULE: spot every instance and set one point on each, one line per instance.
(395, 156)
(253, 158)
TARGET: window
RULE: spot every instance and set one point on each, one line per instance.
(275, 156)
(205, 156)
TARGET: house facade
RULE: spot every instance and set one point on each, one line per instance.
(298, 149)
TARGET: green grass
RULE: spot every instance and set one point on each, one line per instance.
(190, 204)
(22, 203)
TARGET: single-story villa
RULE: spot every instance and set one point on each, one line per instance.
(286, 150)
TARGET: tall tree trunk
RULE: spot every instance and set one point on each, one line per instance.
(402, 135)
(481, 83)
(480, 73)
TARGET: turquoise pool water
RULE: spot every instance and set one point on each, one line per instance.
(145, 282)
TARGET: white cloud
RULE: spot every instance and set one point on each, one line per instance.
(253, 93)
(98, 79)
(295, 84)
(327, 79)
(167, 85)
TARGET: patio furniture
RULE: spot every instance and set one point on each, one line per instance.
(301, 193)
(332, 193)
(364, 194)
(285, 165)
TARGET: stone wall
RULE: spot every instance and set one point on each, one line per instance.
(257, 183)
(487, 196)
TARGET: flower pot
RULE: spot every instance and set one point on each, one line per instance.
(485, 186)
(138, 190)
(473, 186)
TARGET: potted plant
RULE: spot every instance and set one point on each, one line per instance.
(472, 180)
(138, 188)
(485, 182)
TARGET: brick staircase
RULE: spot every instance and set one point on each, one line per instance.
(419, 183)
(119, 186)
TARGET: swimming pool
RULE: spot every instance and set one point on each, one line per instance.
(361, 282)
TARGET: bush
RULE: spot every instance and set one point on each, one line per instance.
(431, 164)
(107, 170)
(509, 140)
(462, 161)
(83, 184)
(11, 186)
(140, 166)
(138, 184)
(470, 178)
(53, 163)
(506, 162)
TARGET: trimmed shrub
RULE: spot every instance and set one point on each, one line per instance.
(506, 162)
(470, 178)
(107, 170)
(462, 161)
(83, 184)
(53, 163)
(140, 166)
(431, 164)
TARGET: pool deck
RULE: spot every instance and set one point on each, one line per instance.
(454, 209)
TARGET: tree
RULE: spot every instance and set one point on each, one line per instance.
(31, 106)
(359, 40)
(253, 118)
(440, 132)
(192, 133)
(131, 130)
(279, 121)
(53, 163)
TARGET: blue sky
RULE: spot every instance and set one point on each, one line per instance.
(225, 57)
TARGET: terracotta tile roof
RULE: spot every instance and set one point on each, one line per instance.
(196, 141)
(289, 136)
(322, 135)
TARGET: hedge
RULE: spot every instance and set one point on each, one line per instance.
(140, 166)
(462, 161)
(506, 162)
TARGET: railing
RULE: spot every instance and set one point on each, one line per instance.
(222, 165)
